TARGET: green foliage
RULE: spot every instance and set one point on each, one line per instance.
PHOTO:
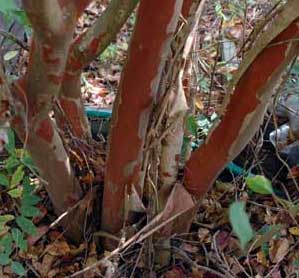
(259, 184)
(199, 126)
(192, 125)
(18, 268)
(204, 83)
(4, 180)
(110, 53)
(26, 225)
(12, 13)
(15, 184)
(113, 52)
(239, 220)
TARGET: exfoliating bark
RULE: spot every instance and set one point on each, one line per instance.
(149, 49)
(254, 85)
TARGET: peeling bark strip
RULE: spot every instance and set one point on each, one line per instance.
(156, 23)
(245, 110)
(90, 44)
(172, 145)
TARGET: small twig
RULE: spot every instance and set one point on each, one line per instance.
(195, 265)
(13, 38)
(137, 261)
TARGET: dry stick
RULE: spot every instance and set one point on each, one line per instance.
(260, 27)
(257, 30)
(215, 65)
(194, 264)
(137, 261)
(244, 25)
(137, 238)
(221, 257)
(15, 39)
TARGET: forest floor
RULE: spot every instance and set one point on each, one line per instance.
(211, 249)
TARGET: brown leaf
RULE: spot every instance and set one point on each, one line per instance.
(46, 264)
(279, 250)
(204, 235)
(58, 248)
(189, 248)
(198, 102)
(176, 272)
(261, 258)
(235, 32)
(222, 240)
(197, 273)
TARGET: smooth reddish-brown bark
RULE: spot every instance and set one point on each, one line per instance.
(138, 88)
(230, 136)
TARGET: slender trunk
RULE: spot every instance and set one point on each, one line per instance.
(84, 49)
(139, 85)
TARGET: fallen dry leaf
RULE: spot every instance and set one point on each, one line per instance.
(294, 231)
(176, 272)
(261, 258)
(58, 248)
(46, 264)
(204, 235)
(279, 250)
(189, 248)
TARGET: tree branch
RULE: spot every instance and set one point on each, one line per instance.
(91, 44)
(254, 84)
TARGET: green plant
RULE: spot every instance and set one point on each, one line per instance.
(16, 188)
(12, 12)
(240, 221)
(110, 53)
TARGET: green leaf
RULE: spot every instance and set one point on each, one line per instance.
(6, 244)
(27, 160)
(240, 223)
(18, 176)
(10, 55)
(259, 184)
(27, 187)
(4, 259)
(29, 211)
(26, 225)
(21, 17)
(4, 181)
(7, 6)
(11, 162)
(18, 268)
(30, 200)
(11, 145)
(192, 125)
(15, 193)
(6, 218)
(18, 238)
(16, 234)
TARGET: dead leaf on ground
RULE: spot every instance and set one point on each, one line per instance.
(58, 248)
(176, 272)
(279, 250)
